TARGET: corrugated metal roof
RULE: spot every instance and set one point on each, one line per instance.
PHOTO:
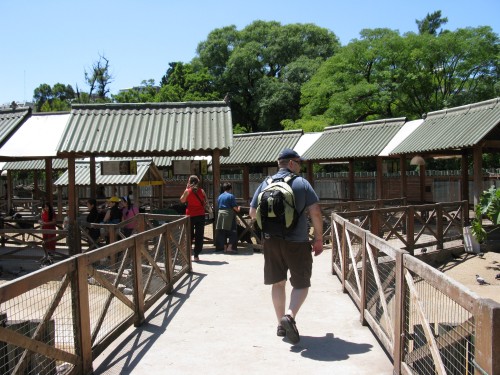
(454, 128)
(358, 140)
(37, 137)
(10, 120)
(145, 170)
(260, 148)
(408, 128)
(34, 165)
(155, 129)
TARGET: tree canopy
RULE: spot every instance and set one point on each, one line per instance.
(384, 74)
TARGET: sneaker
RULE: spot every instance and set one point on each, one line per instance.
(280, 331)
(290, 327)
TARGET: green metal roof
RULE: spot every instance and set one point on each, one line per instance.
(10, 121)
(358, 140)
(260, 148)
(146, 171)
(33, 165)
(454, 128)
(148, 129)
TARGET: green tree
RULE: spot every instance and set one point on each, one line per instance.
(51, 99)
(256, 67)
(385, 75)
(187, 82)
(431, 23)
(145, 93)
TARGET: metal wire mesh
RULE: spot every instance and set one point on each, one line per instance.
(106, 310)
(433, 319)
(354, 262)
(385, 273)
(178, 248)
(43, 314)
(151, 278)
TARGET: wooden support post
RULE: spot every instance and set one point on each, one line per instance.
(310, 172)
(74, 244)
(399, 314)
(439, 226)
(464, 181)
(487, 344)
(343, 249)
(81, 314)
(364, 279)
(93, 186)
(138, 285)
(422, 182)
(404, 179)
(246, 184)
(410, 229)
(351, 179)
(478, 173)
(379, 179)
(48, 182)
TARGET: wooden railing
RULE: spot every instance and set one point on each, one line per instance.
(428, 323)
(414, 227)
(57, 319)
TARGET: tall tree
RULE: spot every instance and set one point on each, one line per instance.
(99, 78)
(252, 65)
(386, 75)
(431, 23)
(187, 82)
(51, 99)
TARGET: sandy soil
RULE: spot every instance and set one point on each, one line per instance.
(465, 268)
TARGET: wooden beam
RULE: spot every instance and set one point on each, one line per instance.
(478, 173)
(379, 178)
(246, 184)
(93, 186)
(351, 179)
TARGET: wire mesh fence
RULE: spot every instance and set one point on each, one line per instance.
(41, 314)
(425, 320)
(439, 333)
(55, 320)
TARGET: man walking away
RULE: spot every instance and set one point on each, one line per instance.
(290, 249)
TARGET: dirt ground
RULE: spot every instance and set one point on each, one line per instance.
(465, 269)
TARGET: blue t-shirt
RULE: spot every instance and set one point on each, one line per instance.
(226, 201)
(304, 197)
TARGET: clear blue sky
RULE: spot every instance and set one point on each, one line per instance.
(54, 41)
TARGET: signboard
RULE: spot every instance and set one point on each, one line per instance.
(119, 167)
(189, 167)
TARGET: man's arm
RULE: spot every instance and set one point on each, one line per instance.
(252, 212)
(317, 222)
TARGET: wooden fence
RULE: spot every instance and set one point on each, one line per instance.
(57, 319)
(427, 322)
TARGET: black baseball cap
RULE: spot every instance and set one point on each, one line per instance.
(288, 153)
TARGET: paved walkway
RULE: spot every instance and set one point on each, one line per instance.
(220, 320)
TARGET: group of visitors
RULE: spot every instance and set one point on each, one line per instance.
(117, 210)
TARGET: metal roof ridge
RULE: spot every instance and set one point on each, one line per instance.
(465, 108)
(275, 132)
(367, 123)
(148, 105)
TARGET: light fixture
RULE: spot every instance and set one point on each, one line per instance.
(417, 160)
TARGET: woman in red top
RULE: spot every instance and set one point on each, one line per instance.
(48, 222)
(195, 198)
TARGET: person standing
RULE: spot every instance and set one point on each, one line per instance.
(93, 217)
(292, 251)
(196, 199)
(226, 221)
(48, 221)
(128, 212)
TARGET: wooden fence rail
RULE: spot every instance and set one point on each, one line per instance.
(429, 323)
(57, 319)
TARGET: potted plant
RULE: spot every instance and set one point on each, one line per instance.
(488, 207)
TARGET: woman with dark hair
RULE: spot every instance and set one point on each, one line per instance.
(196, 199)
(48, 221)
